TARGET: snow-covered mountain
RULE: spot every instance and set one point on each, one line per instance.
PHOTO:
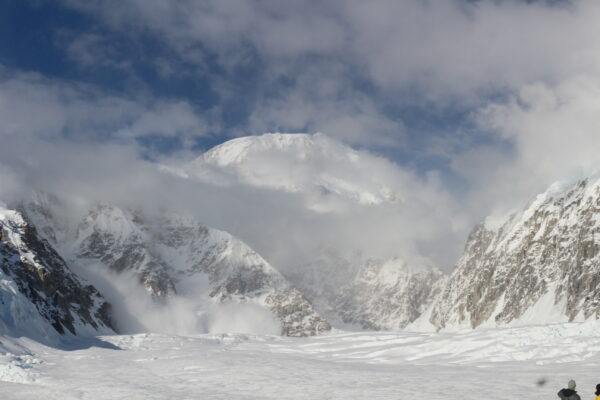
(39, 296)
(388, 294)
(374, 294)
(314, 165)
(541, 265)
(174, 255)
(328, 177)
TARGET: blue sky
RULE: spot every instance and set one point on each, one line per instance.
(461, 90)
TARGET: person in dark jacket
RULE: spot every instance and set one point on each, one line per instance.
(597, 392)
(569, 393)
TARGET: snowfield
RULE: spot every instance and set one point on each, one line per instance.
(527, 362)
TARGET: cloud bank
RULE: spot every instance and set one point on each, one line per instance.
(479, 104)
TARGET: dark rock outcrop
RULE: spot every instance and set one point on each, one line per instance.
(42, 276)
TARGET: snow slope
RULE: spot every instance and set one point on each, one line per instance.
(531, 363)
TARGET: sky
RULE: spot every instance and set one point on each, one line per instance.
(483, 103)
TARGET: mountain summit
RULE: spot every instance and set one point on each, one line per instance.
(313, 165)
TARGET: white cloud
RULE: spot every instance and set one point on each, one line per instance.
(553, 133)
(320, 102)
(342, 64)
(34, 106)
(348, 65)
(441, 48)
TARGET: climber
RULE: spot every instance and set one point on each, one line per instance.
(569, 393)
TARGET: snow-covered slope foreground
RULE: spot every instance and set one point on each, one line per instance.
(542, 265)
(177, 258)
(529, 363)
(39, 296)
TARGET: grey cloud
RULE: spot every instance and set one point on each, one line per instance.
(443, 47)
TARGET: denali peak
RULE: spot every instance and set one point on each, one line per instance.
(312, 165)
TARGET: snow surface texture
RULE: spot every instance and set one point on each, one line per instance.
(39, 296)
(529, 363)
(540, 266)
(208, 273)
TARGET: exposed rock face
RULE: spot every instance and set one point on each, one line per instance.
(388, 295)
(296, 313)
(111, 236)
(33, 272)
(543, 264)
(176, 256)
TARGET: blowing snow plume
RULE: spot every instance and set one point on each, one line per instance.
(135, 311)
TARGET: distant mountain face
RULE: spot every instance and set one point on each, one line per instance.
(541, 266)
(39, 295)
(369, 294)
(176, 256)
(388, 294)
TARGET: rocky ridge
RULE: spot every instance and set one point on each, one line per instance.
(37, 289)
(541, 266)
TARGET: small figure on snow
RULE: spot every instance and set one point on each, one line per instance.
(569, 393)
(597, 393)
